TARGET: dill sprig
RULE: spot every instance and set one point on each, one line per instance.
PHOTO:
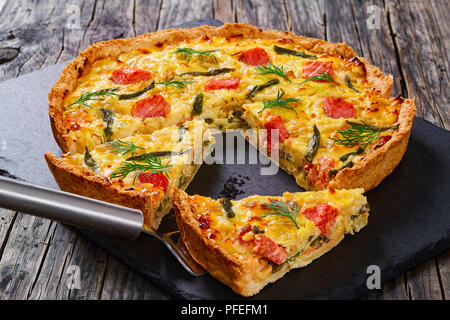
(288, 209)
(360, 134)
(91, 96)
(273, 69)
(321, 76)
(179, 84)
(350, 85)
(123, 147)
(150, 165)
(188, 53)
(279, 102)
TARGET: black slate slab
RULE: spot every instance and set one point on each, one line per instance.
(409, 221)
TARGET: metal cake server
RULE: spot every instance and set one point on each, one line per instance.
(89, 213)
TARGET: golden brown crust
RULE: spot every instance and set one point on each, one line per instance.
(220, 264)
(77, 180)
(369, 172)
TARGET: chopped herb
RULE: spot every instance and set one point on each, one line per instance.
(276, 268)
(122, 147)
(108, 118)
(150, 166)
(349, 84)
(159, 154)
(127, 96)
(227, 205)
(281, 50)
(261, 87)
(92, 96)
(179, 84)
(279, 102)
(188, 53)
(89, 161)
(293, 257)
(182, 181)
(319, 241)
(257, 230)
(210, 73)
(273, 69)
(321, 76)
(335, 171)
(360, 134)
(354, 153)
(314, 144)
(288, 209)
(197, 106)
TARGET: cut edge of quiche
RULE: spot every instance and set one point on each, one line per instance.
(252, 248)
(102, 172)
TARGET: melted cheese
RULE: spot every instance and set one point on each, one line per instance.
(181, 162)
(224, 230)
(229, 108)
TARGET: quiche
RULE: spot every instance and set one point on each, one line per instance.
(134, 119)
(249, 243)
(324, 114)
(138, 171)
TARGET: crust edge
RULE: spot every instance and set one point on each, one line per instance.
(78, 180)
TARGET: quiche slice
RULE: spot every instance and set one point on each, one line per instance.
(249, 243)
(329, 111)
(139, 171)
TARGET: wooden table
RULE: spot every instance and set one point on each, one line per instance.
(411, 42)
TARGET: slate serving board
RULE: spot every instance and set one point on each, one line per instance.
(408, 224)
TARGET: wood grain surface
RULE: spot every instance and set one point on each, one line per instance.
(412, 41)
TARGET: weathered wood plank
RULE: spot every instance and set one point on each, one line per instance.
(36, 30)
(423, 282)
(391, 290)
(50, 281)
(425, 68)
(422, 36)
(92, 262)
(444, 273)
(23, 254)
(122, 283)
(260, 14)
(94, 22)
(224, 10)
(146, 16)
(6, 221)
(178, 11)
(306, 17)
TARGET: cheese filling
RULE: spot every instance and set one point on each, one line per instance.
(217, 80)
(287, 237)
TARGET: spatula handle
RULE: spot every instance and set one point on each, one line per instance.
(71, 209)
